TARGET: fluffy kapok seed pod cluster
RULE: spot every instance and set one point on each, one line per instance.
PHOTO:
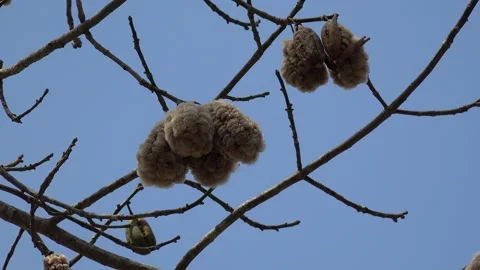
(140, 234)
(213, 169)
(303, 64)
(475, 263)
(55, 262)
(237, 137)
(350, 70)
(158, 165)
(189, 130)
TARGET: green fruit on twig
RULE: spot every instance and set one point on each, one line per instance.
(140, 234)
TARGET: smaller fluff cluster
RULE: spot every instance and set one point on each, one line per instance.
(350, 70)
(189, 130)
(303, 61)
(208, 139)
(212, 169)
(158, 165)
(237, 137)
(55, 262)
(475, 263)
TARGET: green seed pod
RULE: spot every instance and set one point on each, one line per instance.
(140, 234)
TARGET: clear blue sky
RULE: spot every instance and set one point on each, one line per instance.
(423, 165)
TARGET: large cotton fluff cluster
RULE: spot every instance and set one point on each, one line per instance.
(237, 137)
(189, 130)
(475, 263)
(303, 61)
(208, 139)
(158, 165)
(352, 70)
(55, 262)
(213, 169)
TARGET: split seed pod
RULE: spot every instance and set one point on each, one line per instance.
(237, 137)
(475, 263)
(189, 130)
(303, 61)
(158, 165)
(212, 170)
(140, 234)
(347, 52)
(55, 262)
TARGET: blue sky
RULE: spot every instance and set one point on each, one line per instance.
(423, 165)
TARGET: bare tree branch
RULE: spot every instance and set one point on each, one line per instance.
(461, 109)
(21, 219)
(256, 35)
(377, 121)
(289, 110)
(77, 42)
(61, 41)
(258, 53)
(119, 208)
(248, 98)
(15, 162)
(376, 94)
(12, 249)
(17, 118)
(147, 72)
(43, 187)
(244, 218)
(29, 167)
(229, 19)
(353, 205)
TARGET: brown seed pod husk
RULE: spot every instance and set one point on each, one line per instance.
(303, 64)
(55, 262)
(474, 263)
(189, 130)
(158, 165)
(237, 137)
(212, 170)
(351, 66)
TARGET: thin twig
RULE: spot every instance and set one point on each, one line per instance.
(108, 222)
(61, 41)
(12, 249)
(353, 205)
(157, 213)
(101, 193)
(43, 187)
(356, 137)
(291, 119)
(248, 98)
(77, 42)
(136, 44)
(229, 19)
(252, 223)
(29, 167)
(376, 94)
(256, 35)
(21, 219)
(123, 65)
(15, 162)
(257, 54)
(454, 111)
(17, 118)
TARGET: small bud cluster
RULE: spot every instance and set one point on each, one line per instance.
(55, 262)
